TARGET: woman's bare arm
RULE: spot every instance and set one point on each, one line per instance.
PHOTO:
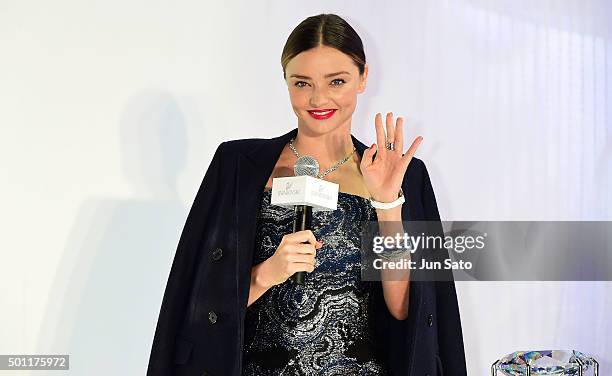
(396, 291)
(259, 285)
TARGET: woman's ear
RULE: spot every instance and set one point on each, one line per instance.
(363, 79)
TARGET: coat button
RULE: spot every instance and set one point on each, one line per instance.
(212, 317)
(217, 254)
(430, 320)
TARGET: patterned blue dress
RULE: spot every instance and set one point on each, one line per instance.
(323, 327)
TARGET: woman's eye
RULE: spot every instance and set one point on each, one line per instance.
(336, 82)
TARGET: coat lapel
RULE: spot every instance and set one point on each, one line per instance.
(253, 171)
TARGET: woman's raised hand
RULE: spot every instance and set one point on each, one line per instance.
(292, 255)
(383, 176)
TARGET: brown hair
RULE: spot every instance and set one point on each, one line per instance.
(327, 30)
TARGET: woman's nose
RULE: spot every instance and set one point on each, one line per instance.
(318, 98)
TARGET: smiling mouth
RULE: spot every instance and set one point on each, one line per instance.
(321, 112)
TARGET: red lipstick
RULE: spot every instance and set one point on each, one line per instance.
(322, 114)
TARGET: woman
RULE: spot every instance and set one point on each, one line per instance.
(229, 308)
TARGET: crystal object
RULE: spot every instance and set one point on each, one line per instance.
(546, 362)
(306, 165)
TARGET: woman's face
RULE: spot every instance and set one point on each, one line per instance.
(323, 79)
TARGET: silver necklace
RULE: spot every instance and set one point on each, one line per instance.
(311, 159)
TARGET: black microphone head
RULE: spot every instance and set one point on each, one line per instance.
(306, 165)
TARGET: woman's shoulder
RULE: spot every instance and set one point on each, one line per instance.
(416, 164)
(416, 170)
(243, 143)
(247, 144)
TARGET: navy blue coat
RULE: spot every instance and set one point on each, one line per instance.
(200, 328)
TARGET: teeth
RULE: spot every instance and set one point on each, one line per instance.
(322, 113)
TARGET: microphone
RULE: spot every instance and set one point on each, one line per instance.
(304, 194)
(304, 166)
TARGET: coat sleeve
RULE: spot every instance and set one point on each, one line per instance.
(180, 279)
(450, 337)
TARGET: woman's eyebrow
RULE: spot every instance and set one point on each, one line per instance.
(326, 76)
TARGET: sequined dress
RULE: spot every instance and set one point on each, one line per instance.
(324, 326)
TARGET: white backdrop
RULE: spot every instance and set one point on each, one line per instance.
(110, 112)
